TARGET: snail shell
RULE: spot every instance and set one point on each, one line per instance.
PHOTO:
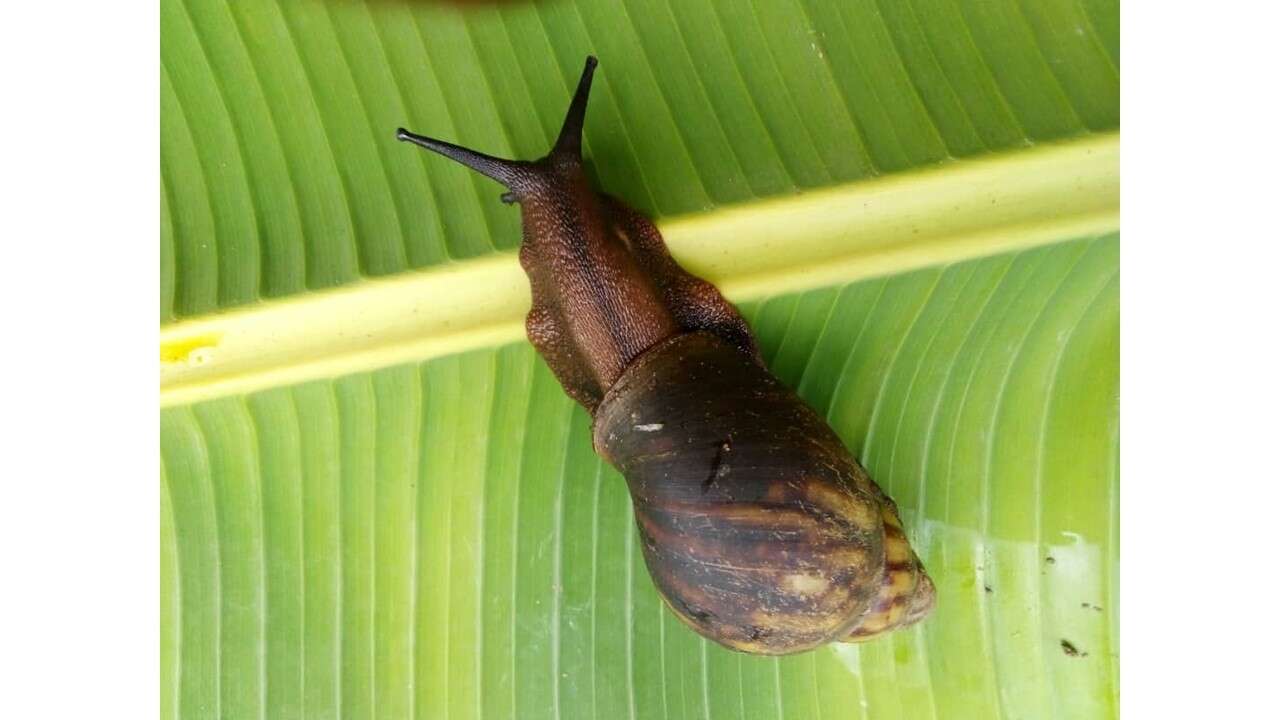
(760, 530)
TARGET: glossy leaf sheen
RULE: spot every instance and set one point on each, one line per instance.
(441, 538)
(281, 172)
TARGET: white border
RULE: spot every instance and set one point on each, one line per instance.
(1200, 320)
(79, 461)
(78, 518)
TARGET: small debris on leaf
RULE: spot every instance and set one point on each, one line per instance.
(1071, 650)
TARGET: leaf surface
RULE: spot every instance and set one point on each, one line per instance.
(425, 531)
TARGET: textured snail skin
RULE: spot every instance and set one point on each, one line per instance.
(759, 528)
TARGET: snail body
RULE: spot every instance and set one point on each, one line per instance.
(759, 528)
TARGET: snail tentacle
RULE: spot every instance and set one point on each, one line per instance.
(760, 530)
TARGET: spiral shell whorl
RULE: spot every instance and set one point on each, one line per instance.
(906, 594)
(759, 528)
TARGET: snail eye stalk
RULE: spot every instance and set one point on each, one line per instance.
(761, 530)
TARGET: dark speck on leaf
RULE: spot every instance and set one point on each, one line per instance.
(1050, 560)
(1071, 650)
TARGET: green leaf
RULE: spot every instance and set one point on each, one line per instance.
(442, 537)
(281, 172)
(433, 536)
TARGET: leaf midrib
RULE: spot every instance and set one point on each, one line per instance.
(956, 211)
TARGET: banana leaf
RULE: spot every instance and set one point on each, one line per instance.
(377, 502)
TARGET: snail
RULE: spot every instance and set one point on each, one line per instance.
(759, 528)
